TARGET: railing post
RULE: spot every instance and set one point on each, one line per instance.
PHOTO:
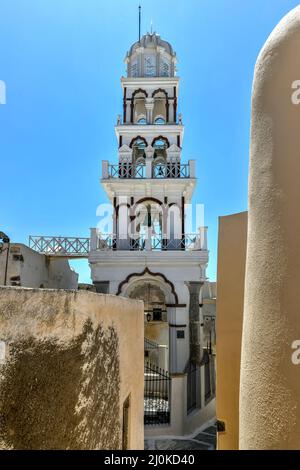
(93, 242)
(105, 173)
(192, 168)
(203, 237)
(148, 168)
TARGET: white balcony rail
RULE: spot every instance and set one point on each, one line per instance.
(72, 247)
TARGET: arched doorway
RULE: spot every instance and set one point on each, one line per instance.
(156, 327)
(159, 296)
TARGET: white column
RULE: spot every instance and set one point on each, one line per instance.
(171, 110)
(149, 151)
(149, 105)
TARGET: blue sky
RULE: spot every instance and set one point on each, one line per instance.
(62, 61)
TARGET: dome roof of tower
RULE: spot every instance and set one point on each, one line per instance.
(151, 40)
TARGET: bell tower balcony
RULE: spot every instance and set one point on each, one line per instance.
(149, 170)
(154, 243)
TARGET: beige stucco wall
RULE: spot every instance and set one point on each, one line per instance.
(230, 302)
(27, 268)
(270, 382)
(72, 358)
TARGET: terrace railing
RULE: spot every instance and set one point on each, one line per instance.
(171, 170)
(190, 242)
(70, 247)
(167, 170)
(127, 170)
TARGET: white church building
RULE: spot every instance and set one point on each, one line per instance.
(150, 254)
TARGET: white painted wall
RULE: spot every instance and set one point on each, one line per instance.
(27, 268)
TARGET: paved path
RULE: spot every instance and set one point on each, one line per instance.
(204, 440)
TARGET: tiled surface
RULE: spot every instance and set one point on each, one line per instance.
(205, 440)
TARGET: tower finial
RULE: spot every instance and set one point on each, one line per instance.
(140, 8)
(151, 27)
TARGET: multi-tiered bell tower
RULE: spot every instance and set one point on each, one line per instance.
(150, 255)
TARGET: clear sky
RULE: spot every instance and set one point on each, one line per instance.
(62, 61)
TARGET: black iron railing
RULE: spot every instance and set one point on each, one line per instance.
(171, 170)
(189, 242)
(156, 395)
(127, 170)
(159, 170)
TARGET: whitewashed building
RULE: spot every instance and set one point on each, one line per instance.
(150, 255)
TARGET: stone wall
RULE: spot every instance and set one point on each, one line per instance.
(69, 362)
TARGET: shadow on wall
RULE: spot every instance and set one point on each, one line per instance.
(81, 380)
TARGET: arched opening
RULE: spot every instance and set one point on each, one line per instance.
(156, 346)
(160, 145)
(157, 294)
(138, 146)
(139, 105)
(160, 120)
(161, 106)
(147, 226)
(142, 121)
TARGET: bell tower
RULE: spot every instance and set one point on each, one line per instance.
(149, 254)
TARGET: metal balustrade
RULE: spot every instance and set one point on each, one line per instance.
(171, 170)
(71, 247)
(159, 171)
(190, 242)
(127, 170)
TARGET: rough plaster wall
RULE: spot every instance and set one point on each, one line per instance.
(270, 383)
(60, 384)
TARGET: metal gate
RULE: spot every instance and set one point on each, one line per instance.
(156, 395)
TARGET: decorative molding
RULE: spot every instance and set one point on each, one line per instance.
(136, 138)
(161, 137)
(147, 271)
(160, 90)
(139, 90)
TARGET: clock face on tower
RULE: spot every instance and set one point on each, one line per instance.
(150, 65)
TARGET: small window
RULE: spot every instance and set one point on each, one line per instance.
(180, 334)
(142, 122)
(157, 314)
